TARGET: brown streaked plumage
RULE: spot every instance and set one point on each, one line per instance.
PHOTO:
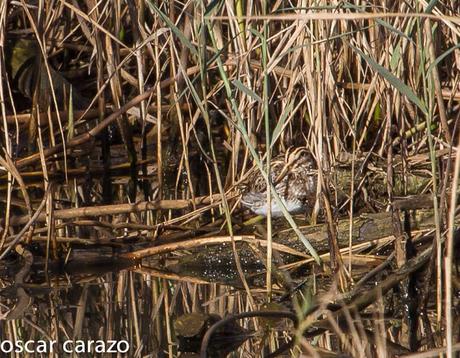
(294, 176)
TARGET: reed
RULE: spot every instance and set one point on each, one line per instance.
(138, 120)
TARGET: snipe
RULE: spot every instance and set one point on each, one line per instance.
(294, 176)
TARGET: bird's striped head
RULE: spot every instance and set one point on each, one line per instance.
(302, 157)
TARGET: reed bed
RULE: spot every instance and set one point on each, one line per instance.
(127, 128)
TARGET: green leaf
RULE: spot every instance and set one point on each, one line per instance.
(173, 28)
(394, 81)
(280, 125)
(246, 90)
(395, 57)
(215, 4)
(256, 33)
(442, 57)
(431, 5)
(381, 22)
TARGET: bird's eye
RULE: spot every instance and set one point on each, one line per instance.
(304, 155)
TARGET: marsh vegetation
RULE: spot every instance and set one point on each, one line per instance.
(130, 129)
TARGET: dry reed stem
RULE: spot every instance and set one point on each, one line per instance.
(335, 100)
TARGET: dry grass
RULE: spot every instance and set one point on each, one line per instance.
(137, 120)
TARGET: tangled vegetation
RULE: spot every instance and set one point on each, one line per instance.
(129, 128)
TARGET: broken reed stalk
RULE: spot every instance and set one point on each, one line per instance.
(114, 209)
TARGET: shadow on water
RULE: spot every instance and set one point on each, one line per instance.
(96, 304)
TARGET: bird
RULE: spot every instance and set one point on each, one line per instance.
(294, 177)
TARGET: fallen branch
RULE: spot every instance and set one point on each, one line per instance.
(122, 208)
